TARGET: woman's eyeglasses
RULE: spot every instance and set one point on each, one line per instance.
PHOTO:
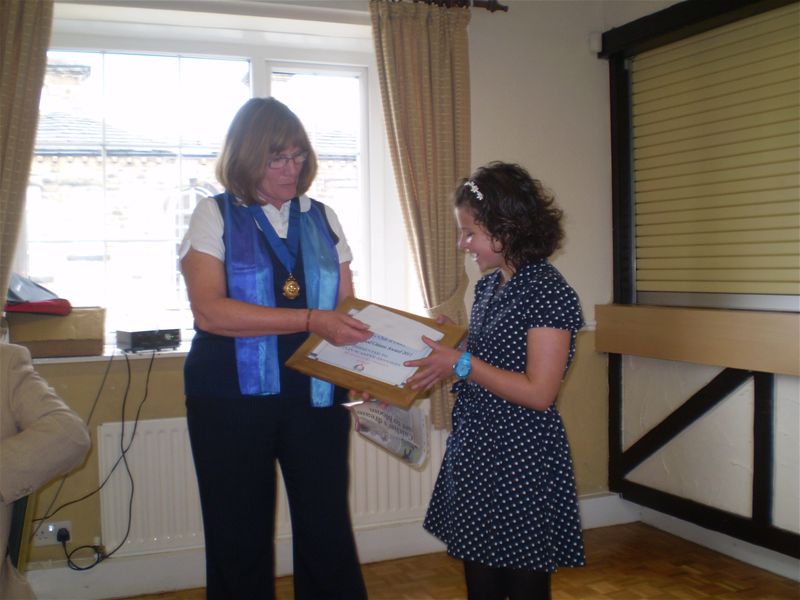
(279, 162)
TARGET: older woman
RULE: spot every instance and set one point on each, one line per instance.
(265, 265)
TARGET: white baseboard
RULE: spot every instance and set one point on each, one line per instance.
(769, 560)
(167, 571)
(606, 509)
(375, 543)
(120, 577)
(154, 573)
(609, 509)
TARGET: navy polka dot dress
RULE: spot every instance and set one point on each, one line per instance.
(505, 495)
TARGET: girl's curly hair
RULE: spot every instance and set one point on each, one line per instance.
(514, 209)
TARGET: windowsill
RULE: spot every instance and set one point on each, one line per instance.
(754, 340)
(111, 352)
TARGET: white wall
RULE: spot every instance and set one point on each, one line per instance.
(712, 461)
(540, 98)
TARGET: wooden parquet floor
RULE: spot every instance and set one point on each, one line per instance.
(624, 562)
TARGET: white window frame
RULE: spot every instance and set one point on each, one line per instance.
(364, 259)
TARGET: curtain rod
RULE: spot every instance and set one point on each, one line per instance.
(490, 5)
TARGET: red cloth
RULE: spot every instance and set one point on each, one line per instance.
(57, 306)
(27, 296)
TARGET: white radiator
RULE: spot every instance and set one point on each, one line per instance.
(165, 515)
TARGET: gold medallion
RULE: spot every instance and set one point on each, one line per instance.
(291, 289)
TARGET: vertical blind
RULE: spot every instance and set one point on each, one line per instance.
(716, 151)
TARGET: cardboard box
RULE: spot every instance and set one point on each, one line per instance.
(80, 333)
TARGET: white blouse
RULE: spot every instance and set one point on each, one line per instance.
(206, 228)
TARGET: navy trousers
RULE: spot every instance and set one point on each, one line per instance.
(235, 444)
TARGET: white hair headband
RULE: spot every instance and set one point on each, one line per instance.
(474, 189)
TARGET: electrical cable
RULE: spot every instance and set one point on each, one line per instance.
(99, 552)
(98, 557)
(47, 513)
(63, 536)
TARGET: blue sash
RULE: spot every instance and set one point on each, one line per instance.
(249, 271)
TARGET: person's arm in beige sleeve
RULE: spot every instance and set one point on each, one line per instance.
(42, 437)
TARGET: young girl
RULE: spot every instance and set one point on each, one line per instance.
(505, 500)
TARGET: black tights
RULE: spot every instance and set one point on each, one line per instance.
(490, 583)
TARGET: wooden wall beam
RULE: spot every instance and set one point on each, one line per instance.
(752, 340)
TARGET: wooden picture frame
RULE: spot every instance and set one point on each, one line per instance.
(400, 396)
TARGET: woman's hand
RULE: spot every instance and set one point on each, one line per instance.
(337, 328)
(435, 367)
(358, 396)
(444, 320)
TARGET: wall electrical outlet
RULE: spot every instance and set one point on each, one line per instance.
(46, 535)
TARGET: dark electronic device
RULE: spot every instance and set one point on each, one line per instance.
(154, 339)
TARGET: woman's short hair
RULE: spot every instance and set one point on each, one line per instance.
(515, 209)
(261, 129)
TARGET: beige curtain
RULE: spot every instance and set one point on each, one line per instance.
(25, 26)
(423, 65)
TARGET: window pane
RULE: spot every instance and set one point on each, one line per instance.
(126, 147)
(329, 105)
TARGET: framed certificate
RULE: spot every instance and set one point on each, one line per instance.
(376, 365)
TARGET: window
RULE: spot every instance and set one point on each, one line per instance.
(117, 171)
(127, 143)
(335, 129)
(713, 206)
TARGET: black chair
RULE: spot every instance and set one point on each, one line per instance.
(20, 534)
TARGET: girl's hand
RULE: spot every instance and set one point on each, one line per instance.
(435, 367)
(337, 328)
